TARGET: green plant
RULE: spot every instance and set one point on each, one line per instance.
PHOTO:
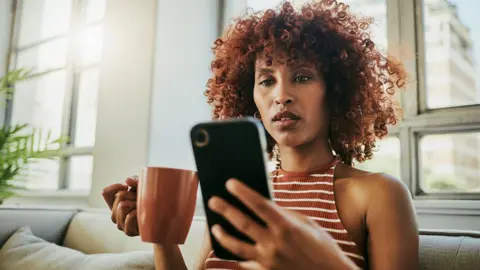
(19, 143)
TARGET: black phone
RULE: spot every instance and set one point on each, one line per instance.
(225, 149)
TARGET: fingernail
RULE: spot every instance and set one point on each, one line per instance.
(230, 183)
(211, 203)
(216, 229)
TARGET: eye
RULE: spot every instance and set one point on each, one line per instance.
(301, 78)
(266, 82)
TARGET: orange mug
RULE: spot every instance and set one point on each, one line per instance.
(166, 199)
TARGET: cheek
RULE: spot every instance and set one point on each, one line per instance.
(259, 101)
(316, 106)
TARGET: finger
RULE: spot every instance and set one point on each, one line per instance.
(251, 265)
(124, 207)
(109, 192)
(235, 246)
(301, 217)
(132, 182)
(119, 197)
(265, 209)
(238, 219)
(131, 224)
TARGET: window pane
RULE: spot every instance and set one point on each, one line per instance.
(80, 172)
(450, 162)
(41, 174)
(39, 102)
(41, 19)
(87, 109)
(386, 159)
(90, 45)
(47, 56)
(376, 9)
(95, 10)
(452, 48)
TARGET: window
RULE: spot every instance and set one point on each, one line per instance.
(446, 136)
(435, 149)
(61, 40)
(450, 162)
(463, 34)
(386, 158)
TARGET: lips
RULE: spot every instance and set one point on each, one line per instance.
(285, 120)
(285, 115)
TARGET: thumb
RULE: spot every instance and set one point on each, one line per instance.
(132, 182)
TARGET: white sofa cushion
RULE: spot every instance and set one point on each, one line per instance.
(92, 231)
(23, 250)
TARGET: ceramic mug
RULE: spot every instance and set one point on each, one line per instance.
(166, 199)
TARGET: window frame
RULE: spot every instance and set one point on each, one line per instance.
(419, 119)
(73, 73)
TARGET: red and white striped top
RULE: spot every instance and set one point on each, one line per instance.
(312, 194)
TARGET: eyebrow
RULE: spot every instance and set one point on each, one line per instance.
(264, 71)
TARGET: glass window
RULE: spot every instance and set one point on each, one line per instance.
(64, 52)
(95, 10)
(41, 174)
(90, 45)
(87, 108)
(43, 19)
(80, 172)
(49, 55)
(39, 102)
(386, 159)
(450, 162)
(452, 53)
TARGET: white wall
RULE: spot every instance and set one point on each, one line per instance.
(185, 33)
(121, 143)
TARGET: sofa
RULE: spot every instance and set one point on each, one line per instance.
(90, 232)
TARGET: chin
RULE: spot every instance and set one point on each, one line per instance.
(289, 140)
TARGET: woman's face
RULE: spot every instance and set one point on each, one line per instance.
(291, 102)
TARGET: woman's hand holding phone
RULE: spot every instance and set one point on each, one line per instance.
(289, 241)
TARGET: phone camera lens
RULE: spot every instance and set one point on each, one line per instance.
(201, 138)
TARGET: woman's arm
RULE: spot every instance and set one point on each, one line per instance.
(393, 234)
(170, 257)
(206, 248)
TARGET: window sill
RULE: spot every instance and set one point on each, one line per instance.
(53, 193)
(66, 198)
(431, 207)
(448, 207)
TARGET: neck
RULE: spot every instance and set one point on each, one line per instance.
(305, 157)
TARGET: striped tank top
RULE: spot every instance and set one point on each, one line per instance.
(312, 194)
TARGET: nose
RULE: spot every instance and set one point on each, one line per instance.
(283, 95)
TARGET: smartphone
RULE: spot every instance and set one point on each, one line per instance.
(225, 149)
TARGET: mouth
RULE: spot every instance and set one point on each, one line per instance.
(285, 119)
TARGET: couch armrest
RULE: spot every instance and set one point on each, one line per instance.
(49, 224)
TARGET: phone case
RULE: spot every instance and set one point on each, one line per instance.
(230, 149)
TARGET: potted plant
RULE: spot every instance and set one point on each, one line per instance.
(20, 144)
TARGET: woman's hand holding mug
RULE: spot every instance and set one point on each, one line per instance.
(122, 201)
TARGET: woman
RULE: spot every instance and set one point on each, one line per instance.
(325, 95)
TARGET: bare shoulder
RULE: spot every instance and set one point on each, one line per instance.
(369, 183)
(371, 190)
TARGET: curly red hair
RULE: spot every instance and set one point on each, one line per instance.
(360, 81)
